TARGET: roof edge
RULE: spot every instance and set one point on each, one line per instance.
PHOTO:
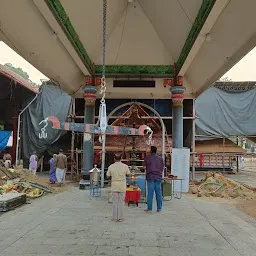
(17, 78)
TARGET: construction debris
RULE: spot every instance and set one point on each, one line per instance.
(12, 200)
(22, 181)
(6, 174)
(217, 185)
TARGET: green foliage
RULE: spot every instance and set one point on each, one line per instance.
(19, 71)
(225, 79)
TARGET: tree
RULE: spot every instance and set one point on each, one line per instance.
(19, 71)
(34, 84)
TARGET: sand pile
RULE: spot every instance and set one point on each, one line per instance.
(217, 185)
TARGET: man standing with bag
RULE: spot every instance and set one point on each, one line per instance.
(118, 172)
(154, 173)
(61, 167)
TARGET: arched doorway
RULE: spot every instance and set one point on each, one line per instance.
(151, 109)
(112, 113)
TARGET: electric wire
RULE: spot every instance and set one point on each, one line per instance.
(122, 34)
(191, 22)
(182, 8)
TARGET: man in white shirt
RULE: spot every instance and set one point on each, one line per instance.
(118, 172)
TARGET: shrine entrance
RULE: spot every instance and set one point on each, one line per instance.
(134, 148)
(153, 111)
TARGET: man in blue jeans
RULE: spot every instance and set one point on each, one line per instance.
(154, 173)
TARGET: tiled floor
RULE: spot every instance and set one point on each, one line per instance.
(72, 223)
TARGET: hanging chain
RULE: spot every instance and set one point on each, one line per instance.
(103, 109)
(104, 25)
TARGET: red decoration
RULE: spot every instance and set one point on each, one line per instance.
(97, 81)
(88, 80)
(89, 95)
(179, 80)
(97, 158)
(169, 82)
(177, 96)
(201, 159)
(132, 195)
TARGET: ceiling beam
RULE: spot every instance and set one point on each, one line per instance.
(204, 34)
(194, 33)
(136, 71)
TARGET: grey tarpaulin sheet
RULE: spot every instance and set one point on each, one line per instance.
(225, 114)
(51, 101)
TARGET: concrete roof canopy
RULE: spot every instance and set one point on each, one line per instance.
(145, 40)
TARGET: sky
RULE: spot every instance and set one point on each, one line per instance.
(243, 71)
(7, 55)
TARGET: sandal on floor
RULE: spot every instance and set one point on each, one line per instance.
(121, 220)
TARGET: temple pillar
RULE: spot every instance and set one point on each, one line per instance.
(177, 92)
(89, 113)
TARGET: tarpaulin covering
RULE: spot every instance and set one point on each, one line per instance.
(51, 101)
(4, 138)
(224, 113)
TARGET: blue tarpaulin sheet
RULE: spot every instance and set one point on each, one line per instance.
(4, 137)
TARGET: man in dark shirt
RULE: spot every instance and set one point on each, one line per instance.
(154, 173)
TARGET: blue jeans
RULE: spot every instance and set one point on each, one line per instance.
(154, 186)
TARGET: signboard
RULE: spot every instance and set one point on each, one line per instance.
(180, 168)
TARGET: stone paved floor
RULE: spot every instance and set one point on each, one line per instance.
(71, 223)
(245, 176)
